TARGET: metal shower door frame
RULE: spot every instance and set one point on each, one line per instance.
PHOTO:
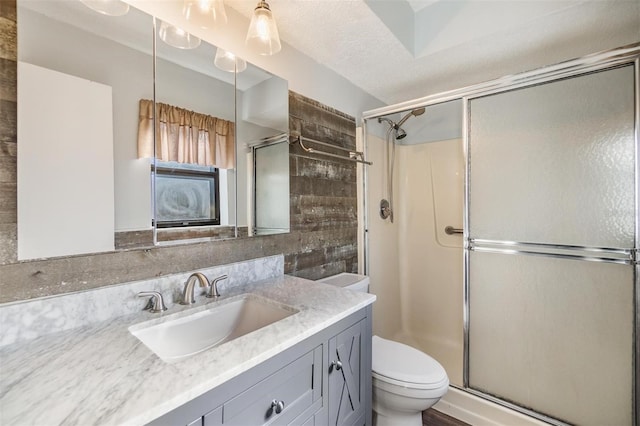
(585, 66)
(626, 55)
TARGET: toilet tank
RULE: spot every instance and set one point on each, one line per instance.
(349, 281)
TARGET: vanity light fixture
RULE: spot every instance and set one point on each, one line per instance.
(205, 12)
(177, 37)
(227, 61)
(262, 36)
(107, 7)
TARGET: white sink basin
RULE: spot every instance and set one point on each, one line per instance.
(189, 333)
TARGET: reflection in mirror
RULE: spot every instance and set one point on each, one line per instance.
(195, 195)
(81, 76)
(204, 91)
(263, 152)
(269, 195)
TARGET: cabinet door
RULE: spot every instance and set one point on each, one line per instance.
(213, 418)
(346, 383)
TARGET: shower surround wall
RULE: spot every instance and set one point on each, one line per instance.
(322, 240)
(415, 267)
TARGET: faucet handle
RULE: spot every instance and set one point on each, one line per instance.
(213, 290)
(156, 303)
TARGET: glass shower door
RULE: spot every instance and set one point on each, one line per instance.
(551, 271)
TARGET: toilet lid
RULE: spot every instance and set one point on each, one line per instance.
(400, 362)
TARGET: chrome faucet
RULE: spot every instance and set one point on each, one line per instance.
(213, 290)
(188, 297)
(156, 303)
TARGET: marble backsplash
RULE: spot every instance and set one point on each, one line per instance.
(28, 320)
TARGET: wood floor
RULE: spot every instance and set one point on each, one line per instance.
(432, 417)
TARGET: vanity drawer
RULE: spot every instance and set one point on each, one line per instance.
(292, 387)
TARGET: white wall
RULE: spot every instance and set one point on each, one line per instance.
(267, 104)
(429, 198)
(56, 147)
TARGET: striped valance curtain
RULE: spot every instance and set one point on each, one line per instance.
(186, 136)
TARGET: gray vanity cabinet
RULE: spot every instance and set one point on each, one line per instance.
(323, 380)
(346, 376)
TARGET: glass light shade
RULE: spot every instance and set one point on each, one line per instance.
(205, 12)
(177, 37)
(227, 61)
(107, 7)
(263, 36)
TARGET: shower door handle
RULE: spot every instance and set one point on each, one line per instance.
(450, 230)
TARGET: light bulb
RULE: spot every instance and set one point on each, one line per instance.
(263, 36)
(205, 12)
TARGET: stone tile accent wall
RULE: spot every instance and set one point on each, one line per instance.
(322, 240)
(323, 191)
(8, 131)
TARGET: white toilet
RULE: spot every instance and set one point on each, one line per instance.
(406, 381)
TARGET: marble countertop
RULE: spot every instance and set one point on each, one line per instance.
(102, 374)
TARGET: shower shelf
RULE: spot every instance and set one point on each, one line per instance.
(356, 156)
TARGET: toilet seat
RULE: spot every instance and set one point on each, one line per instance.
(443, 384)
(401, 365)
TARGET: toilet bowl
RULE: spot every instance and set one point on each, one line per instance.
(406, 381)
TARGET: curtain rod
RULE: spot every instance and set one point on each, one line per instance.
(355, 156)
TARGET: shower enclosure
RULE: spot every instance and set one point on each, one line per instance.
(535, 305)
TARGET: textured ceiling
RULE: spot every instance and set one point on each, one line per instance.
(440, 45)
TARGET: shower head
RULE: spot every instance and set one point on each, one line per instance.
(415, 112)
(400, 133)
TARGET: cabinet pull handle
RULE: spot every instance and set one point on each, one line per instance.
(277, 406)
(337, 365)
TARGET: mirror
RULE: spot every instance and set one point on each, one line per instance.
(98, 195)
(195, 182)
(81, 75)
(193, 80)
